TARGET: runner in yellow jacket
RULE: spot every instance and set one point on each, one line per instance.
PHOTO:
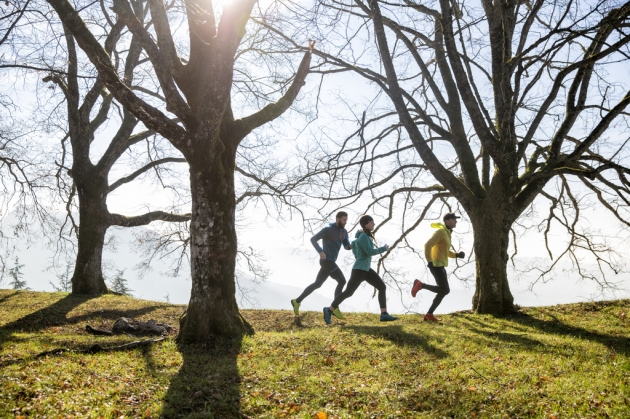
(437, 251)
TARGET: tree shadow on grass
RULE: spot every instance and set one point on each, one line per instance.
(396, 335)
(56, 314)
(6, 297)
(52, 315)
(620, 344)
(488, 331)
(207, 384)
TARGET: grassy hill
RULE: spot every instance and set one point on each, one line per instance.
(554, 362)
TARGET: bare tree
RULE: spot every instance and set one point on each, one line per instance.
(22, 177)
(90, 180)
(198, 92)
(496, 101)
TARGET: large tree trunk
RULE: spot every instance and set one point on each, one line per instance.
(93, 224)
(491, 229)
(212, 311)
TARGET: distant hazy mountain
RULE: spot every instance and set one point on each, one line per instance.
(294, 266)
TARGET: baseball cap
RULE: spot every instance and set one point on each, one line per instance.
(449, 215)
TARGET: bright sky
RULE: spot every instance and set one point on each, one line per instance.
(290, 256)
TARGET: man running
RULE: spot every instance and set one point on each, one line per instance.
(437, 251)
(332, 238)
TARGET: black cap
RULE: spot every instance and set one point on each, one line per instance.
(449, 215)
(365, 220)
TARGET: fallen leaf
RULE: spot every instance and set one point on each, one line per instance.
(321, 415)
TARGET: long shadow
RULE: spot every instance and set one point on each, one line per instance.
(207, 384)
(398, 336)
(526, 343)
(6, 297)
(481, 328)
(620, 344)
(56, 314)
(52, 315)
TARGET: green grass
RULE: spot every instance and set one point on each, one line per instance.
(568, 361)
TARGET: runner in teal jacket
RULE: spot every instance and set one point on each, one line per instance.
(363, 248)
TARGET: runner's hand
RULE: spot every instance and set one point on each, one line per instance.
(322, 256)
(461, 255)
(386, 247)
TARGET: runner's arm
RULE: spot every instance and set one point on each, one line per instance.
(366, 244)
(346, 243)
(318, 237)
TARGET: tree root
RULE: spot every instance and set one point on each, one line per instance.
(96, 348)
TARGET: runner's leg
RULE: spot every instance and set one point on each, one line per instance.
(356, 277)
(374, 280)
(337, 275)
(322, 275)
(442, 289)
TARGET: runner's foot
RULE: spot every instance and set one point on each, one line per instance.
(430, 318)
(417, 286)
(338, 314)
(386, 317)
(296, 307)
(327, 314)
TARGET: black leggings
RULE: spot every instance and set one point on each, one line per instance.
(442, 289)
(356, 278)
(328, 269)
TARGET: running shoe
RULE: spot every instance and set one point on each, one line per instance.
(417, 286)
(386, 317)
(430, 318)
(338, 314)
(296, 307)
(327, 314)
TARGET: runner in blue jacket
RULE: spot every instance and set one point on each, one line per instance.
(332, 237)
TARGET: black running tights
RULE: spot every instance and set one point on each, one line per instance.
(327, 268)
(356, 278)
(442, 289)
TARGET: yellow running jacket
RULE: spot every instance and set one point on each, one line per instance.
(438, 248)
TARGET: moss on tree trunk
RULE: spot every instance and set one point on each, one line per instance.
(212, 311)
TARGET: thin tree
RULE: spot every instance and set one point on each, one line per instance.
(119, 283)
(16, 275)
(198, 92)
(64, 280)
(495, 100)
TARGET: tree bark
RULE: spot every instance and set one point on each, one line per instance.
(93, 224)
(491, 230)
(212, 311)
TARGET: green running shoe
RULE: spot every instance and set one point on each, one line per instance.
(296, 307)
(338, 314)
